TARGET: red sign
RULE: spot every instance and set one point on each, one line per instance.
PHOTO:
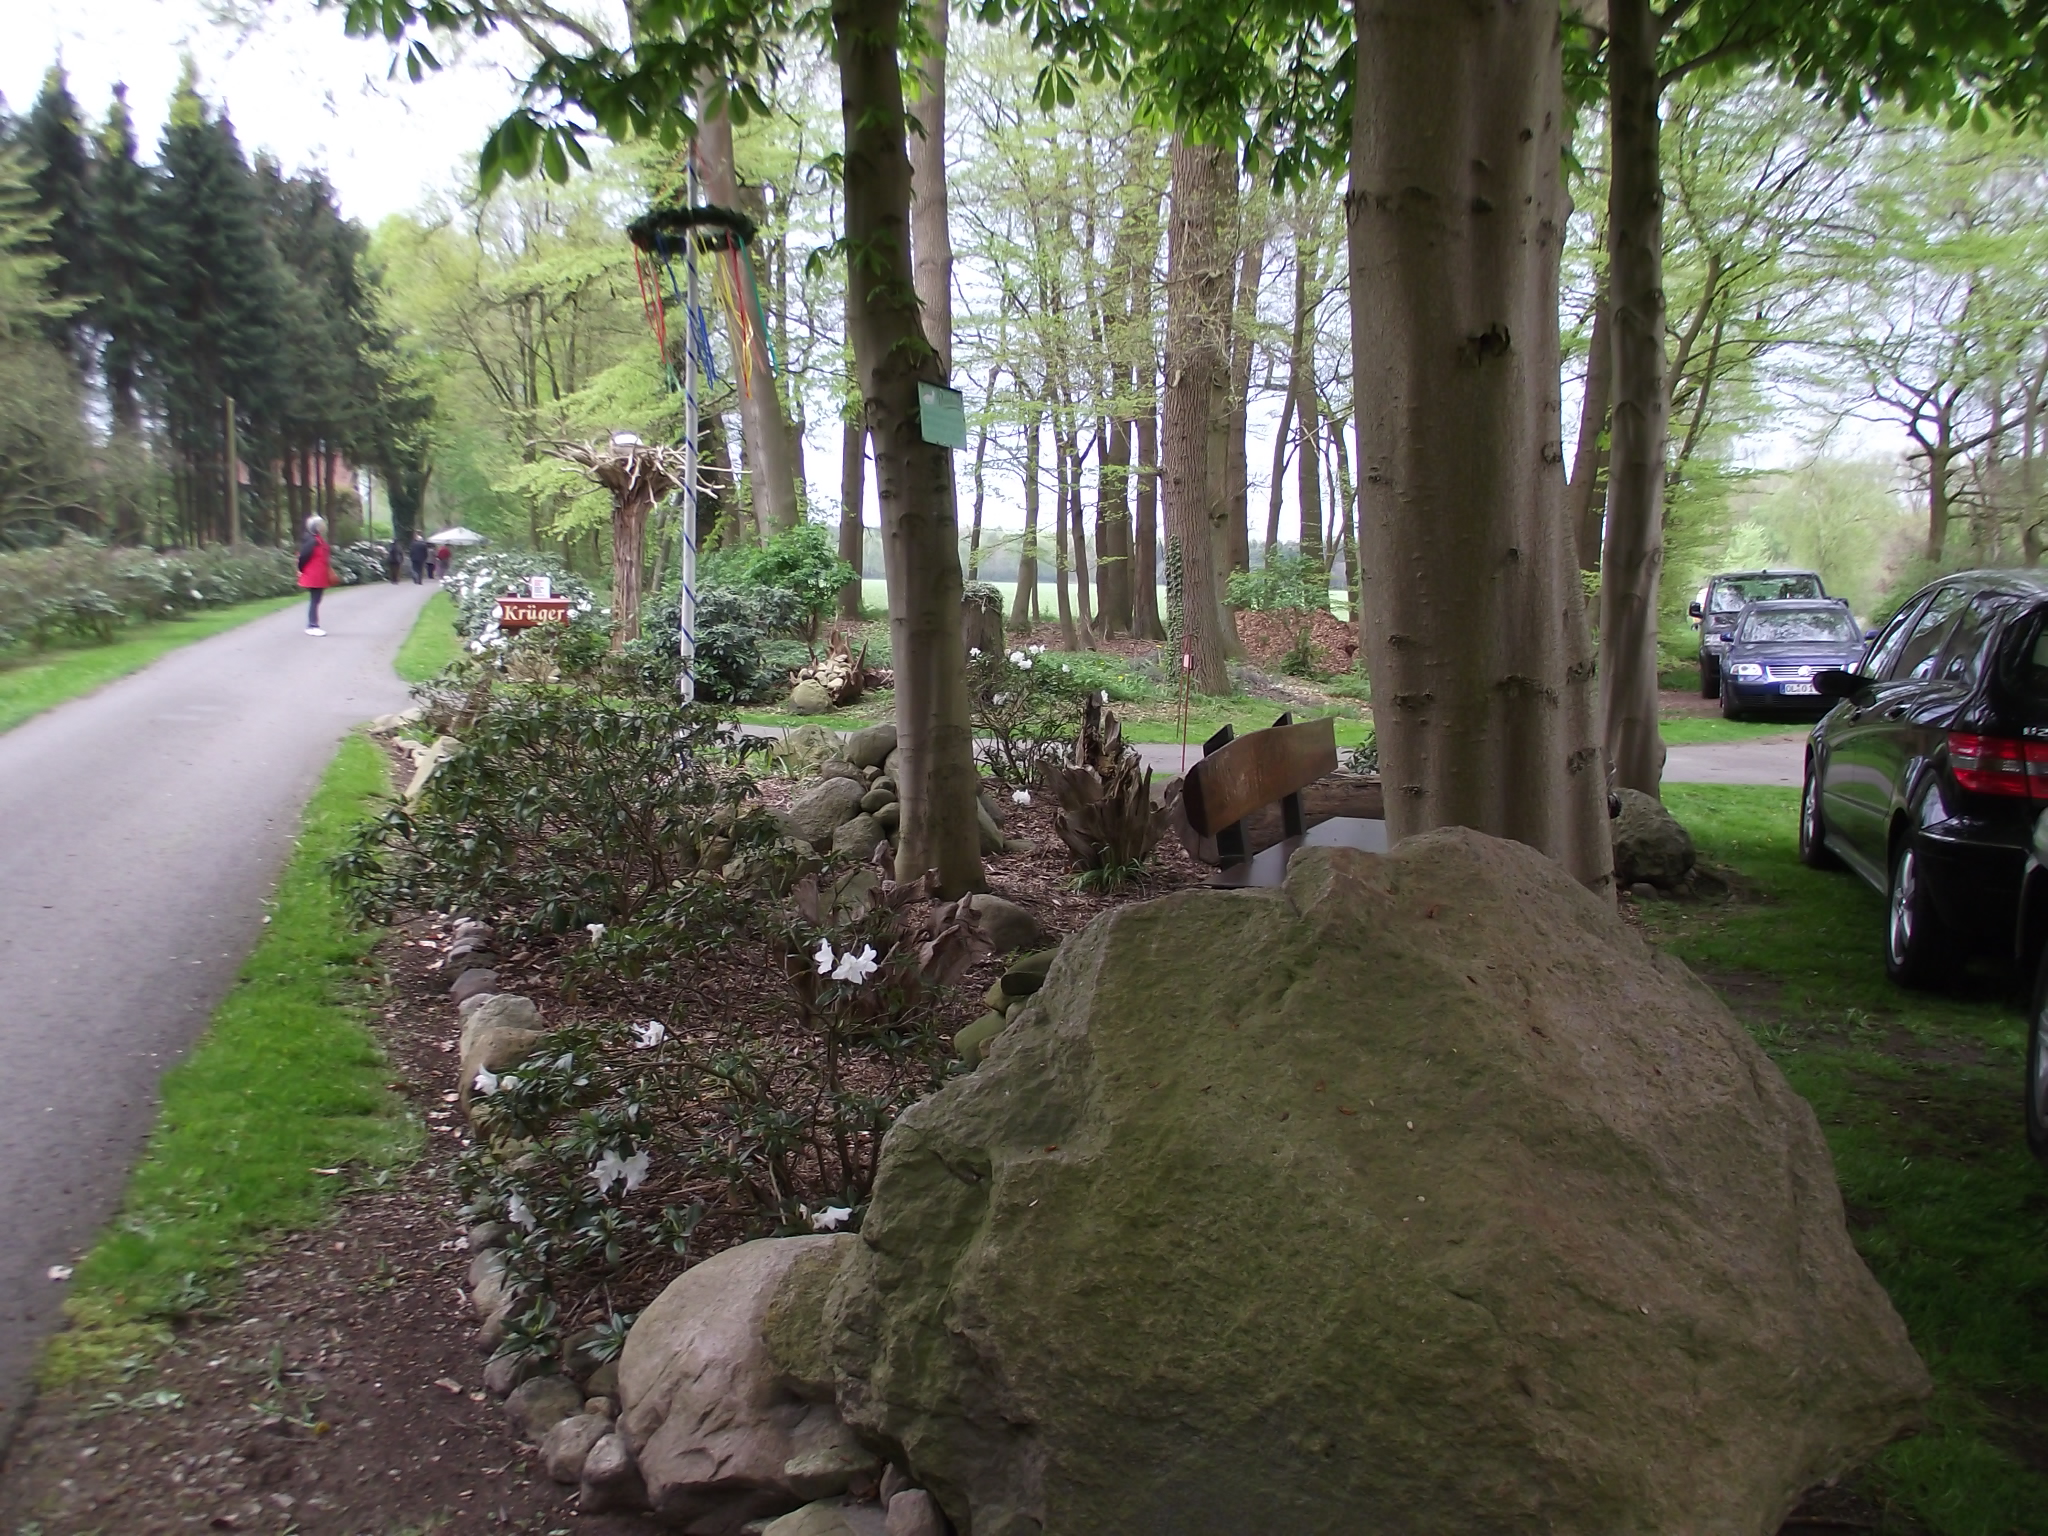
(525, 612)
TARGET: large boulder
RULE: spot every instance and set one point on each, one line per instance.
(858, 836)
(1649, 842)
(809, 697)
(1417, 1195)
(820, 808)
(801, 749)
(725, 1387)
(871, 748)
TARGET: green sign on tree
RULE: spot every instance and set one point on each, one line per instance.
(942, 415)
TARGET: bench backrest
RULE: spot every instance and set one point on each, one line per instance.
(1239, 776)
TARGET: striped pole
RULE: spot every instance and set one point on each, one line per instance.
(688, 616)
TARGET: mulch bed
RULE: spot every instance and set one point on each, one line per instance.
(1269, 634)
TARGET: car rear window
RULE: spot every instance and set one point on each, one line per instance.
(1740, 591)
(1823, 624)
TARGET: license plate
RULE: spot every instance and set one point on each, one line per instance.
(1806, 688)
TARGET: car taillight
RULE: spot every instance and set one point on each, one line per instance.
(1999, 765)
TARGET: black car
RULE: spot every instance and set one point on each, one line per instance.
(1927, 774)
(1721, 602)
(1776, 649)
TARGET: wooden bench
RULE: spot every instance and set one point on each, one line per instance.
(1239, 775)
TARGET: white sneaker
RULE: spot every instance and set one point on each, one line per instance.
(313, 629)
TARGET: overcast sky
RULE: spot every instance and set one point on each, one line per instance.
(294, 85)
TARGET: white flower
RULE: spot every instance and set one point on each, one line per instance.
(856, 968)
(1016, 658)
(1038, 650)
(196, 597)
(61, 1272)
(1020, 796)
(595, 930)
(824, 957)
(508, 1082)
(1001, 699)
(832, 1218)
(974, 652)
(1065, 668)
(647, 1036)
(486, 1081)
(611, 1168)
(1024, 665)
(1105, 695)
(517, 1213)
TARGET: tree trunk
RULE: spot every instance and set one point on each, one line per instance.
(931, 237)
(1475, 633)
(768, 444)
(1347, 502)
(974, 533)
(1113, 524)
(1062, 557)
(1145, 623)
(1632, 552)
(1244, 315)
(853, 534)
(1023, 604)
(629, 538)
(1078, 525)
(937, 781)
(1197, 369)
(1585, 511)
(1273, 486)
(1302, 384)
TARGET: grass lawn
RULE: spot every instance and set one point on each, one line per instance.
(433, 643)
(285, 1083)
(1919, 1095)
(33, 681)
(1712, 730)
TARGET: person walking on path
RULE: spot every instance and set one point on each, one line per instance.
(441, 558)
(316, 571)
(417, 553)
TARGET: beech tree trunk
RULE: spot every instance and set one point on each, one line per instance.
(1062, 555)
(1145, 621)
(1197, 403)
(1585, 510)
(853, 485)
(931, 235)
(1244, 313)
(1302, 386)
(1079, 527)
(1113, 522)
(1347, 502)
(937, 781)
(1025, 603)
(1632, 551)
(1474, 630)
(1281, 439)
(765, 436)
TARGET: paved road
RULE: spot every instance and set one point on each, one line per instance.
(141, 829)
(1765, 760)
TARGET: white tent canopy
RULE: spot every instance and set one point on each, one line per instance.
(457, 535)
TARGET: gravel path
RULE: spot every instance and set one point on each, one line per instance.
(141, 829)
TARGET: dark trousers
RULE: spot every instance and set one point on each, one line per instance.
(313, 607)
(418, 566)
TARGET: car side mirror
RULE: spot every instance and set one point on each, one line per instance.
(1835, 683)
(1869, 635)
(1693, 610)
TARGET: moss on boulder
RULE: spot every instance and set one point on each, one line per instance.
(1418, 1195)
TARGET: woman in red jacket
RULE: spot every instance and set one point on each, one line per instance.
(316, 572)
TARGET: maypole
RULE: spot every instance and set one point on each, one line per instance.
(664, 233)
(688, 616)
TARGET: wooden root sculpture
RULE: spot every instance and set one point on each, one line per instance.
(637, 475)
(841, 673)
(1106, 816)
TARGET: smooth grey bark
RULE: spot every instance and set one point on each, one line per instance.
(1244, 315)
(1024, 604)
(931, 235)
(1632, 548)
(1282, 441)
(1302, 386)
(1145, 621)
(937, 781)
(853, 483)
(767, 442)
(1197, 404)
(1474, 629)
(1582, 506)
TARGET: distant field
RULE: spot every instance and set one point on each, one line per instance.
(874, 596)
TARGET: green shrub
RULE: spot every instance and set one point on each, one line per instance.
(1284, 581)
(735, 629)
(479, 580)
(84, 592)
(800, 561)
(1027, 709)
